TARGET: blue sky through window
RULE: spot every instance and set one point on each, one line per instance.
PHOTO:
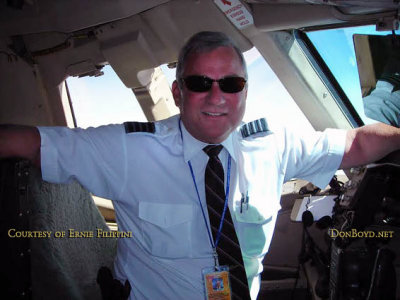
(337, 49)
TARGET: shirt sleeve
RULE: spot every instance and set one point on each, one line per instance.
(383, 104)
(95, 157)
(313, 156)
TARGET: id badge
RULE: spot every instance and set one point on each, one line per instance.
(216, 283)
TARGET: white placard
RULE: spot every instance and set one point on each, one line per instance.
(236, 12)
(319, 206)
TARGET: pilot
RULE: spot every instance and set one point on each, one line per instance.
(165, 177)
(383, 103)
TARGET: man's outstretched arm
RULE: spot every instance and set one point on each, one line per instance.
(369, 143)
(20, 141)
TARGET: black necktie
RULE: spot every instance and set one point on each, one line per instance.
(228, 247)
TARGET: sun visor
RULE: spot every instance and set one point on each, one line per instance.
(126, 47)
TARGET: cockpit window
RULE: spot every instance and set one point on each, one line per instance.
(268, 97)
(103, 100)
(336, 48)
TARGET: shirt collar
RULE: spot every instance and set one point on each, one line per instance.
(191, 146)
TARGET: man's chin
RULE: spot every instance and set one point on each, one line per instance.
(215, 138)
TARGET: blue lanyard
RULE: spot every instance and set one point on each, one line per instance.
(214, 244)
(217, 238)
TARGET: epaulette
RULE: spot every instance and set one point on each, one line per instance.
(254, 127)
(139, 127)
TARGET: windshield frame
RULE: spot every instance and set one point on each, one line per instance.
(324, 72)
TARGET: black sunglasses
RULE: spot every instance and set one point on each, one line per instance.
(199, 84)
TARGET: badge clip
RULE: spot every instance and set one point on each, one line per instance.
(244, 202)
(216, 261)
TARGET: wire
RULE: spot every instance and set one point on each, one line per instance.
(64, 45)
(296, 281)
(300, 258)
(51, 50)
(10, 56)
(371, 286)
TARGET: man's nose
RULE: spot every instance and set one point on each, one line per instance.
(215, 95)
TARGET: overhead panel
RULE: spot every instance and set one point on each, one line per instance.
(176, 21)
(236, 12)
(67, 16)
(125, 46)
(154, 37)
(273, 17)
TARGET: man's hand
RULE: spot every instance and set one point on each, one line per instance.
(20, 141)
(369, 143)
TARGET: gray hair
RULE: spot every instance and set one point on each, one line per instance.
(205, 41)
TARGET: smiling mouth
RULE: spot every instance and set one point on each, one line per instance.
(213, 114)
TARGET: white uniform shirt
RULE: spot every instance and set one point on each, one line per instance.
(148, 177)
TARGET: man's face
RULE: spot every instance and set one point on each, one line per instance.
(212, 115)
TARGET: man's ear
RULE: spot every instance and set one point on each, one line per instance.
(176, 93)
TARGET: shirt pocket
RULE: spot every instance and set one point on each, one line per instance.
(166, 228)
(254, 232)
